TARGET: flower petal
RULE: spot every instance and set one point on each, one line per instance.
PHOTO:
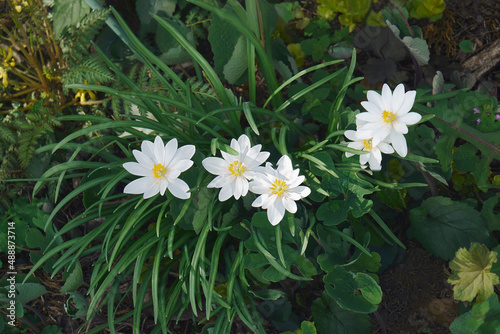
(411, 118)
(290, 205)
(179, 188)
(398, 141)
(386, 97)
(138, 186)
(216, 166)
(400, 127)
(135, 168)
(372, 108)
(398, 97)
(143, 159)
(169, 151)
(375, 98)
(276, 213)
(408, 103)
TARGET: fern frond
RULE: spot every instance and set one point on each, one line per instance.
(92, 71)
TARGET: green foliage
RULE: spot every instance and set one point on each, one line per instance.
(483, 318)
(351, 11)
(68, 13)
(443, 226)
(431, 9)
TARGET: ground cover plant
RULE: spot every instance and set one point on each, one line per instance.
(260, 185)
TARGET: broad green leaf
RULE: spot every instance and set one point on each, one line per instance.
(331, 318)
(74, 280)
(147, 8)
(483, 318)
(29, 291)
(465, 158)
(308, 327)
(67, 13)
(471, 274)
(443, 226)
(355, 292)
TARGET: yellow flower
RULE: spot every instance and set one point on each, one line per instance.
(20, 5)
(81, 94)
(3, 76)
(8, 62)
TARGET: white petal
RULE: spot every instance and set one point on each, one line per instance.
(229, 157)
(216, 166)
(163, 187)
(238, 187)
(218, 182)
(375, 154)
(411, 118)
(408, 103)
(135, 168)
(385, 148)
(152, 190)
(363, 158)
(181, 165)
(143, 159)
(375, 98)
(351, 135)
(400, 127)
(179, 188)
(169, 151)
(296, 182)
(244, 190)
(138, 186)
(185, 152)
(285, 165)
(290, 205)
(244, 143)
(371, 108)
(398, 96)
(276, 213)
(147, 148)
(368, 117)
(260, 201)
(399, 143)
(386, 97)
(225, 193)
(375, 165)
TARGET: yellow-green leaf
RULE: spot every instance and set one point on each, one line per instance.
(472, 274)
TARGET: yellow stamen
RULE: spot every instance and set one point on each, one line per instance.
(388, 116)
(278, 187)
(368, 143)
(236, 168)
(159, 170)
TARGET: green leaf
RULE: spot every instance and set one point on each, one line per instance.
(80, 305)
(172, 51)
(268, 294)
(229, 48)
(331, 318)
(483, 318)
(471, 274)
(205, 196)
(355, 292)
(74, 280)
(308, 327)
(67, 13)
(145, 10)
(29, 291)
(466, 46)
(465, 158)
(443, 226)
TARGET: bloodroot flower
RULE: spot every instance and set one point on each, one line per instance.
(160, 166)
(234, 171)
(388, 116)
(372, 145)
(278, 189)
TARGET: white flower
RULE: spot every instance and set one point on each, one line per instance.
(373, 145)
(388, 116)
(234, 171)
(279, 189)
(160, 166)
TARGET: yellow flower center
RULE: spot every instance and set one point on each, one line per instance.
(236, 168)
(278, 187)
(368, 143)
(159, 170)
(388, 116)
